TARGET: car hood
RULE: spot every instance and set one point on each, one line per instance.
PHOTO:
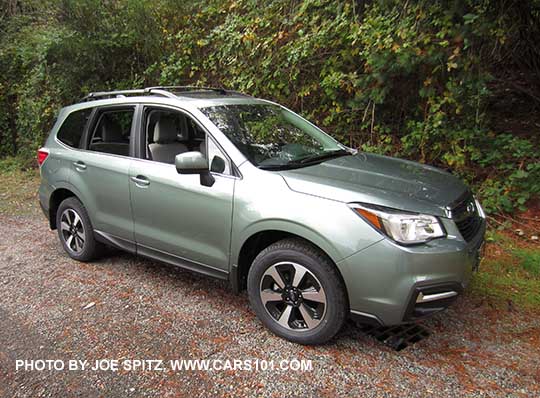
(380, 180)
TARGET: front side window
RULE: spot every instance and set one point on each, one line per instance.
(112, 132)
(170, 133)
(71, 131)
(272, 137)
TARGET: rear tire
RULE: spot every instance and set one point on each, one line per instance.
(75, 231)
(297, 292)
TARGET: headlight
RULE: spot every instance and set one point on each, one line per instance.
(403, 227)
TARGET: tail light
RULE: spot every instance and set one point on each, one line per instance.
(42, 155)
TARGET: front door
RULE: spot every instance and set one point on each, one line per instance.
(176, 218)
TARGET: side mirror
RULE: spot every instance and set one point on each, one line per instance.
(194, 163)
(191, 163)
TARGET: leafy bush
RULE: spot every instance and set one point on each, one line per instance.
(411, 79)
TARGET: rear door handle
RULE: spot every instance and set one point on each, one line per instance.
(79, 165)
(140, 181)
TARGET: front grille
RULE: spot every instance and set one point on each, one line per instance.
(465, 215)
(469, 227)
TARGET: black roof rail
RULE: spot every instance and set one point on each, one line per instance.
(124, 93)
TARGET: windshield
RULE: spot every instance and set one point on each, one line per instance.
(271, 136)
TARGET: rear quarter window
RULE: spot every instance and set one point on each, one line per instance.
(71, 131)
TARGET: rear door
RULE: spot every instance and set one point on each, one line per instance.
(70, 137)
(101, 172)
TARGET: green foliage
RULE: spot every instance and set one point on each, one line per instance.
(509, 272)
(529, 260)
(19, 187)
(410, 79)
(12, 164)
(504, 287)
(57, 52)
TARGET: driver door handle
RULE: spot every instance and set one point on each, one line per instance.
(141, 181)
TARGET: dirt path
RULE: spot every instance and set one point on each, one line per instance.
(146, 310)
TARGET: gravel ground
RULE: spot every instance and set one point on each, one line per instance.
(146, 310)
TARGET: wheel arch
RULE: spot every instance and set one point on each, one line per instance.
(260, 238)
(58, 195)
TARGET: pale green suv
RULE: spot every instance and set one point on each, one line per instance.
(246, 190)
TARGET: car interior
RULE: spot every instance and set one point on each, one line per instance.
(171, 133)
(112, 133)
(168, 134)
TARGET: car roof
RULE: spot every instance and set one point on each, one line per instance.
(194, 97)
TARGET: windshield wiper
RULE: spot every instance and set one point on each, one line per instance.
(322, 156)
(294, 164)
(285, 166)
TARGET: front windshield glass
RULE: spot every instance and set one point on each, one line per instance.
(271, 136)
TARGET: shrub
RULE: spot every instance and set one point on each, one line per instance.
(412, 79)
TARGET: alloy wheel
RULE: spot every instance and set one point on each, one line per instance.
(72, 230)
(293, 296)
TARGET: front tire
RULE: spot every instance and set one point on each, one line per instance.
(297, 292)
(75, 230)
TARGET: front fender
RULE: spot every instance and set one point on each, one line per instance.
(272, 206)
(283, 225)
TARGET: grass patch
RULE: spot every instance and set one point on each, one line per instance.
(18, 191)
(502, 288)
(529, 260)
(510, 272)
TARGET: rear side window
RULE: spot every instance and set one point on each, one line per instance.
(72, 129)
(112, 132)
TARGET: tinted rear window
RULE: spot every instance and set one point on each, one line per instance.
(71, 131)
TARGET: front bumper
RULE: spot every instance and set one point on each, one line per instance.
(427, 300)
(389, 284)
